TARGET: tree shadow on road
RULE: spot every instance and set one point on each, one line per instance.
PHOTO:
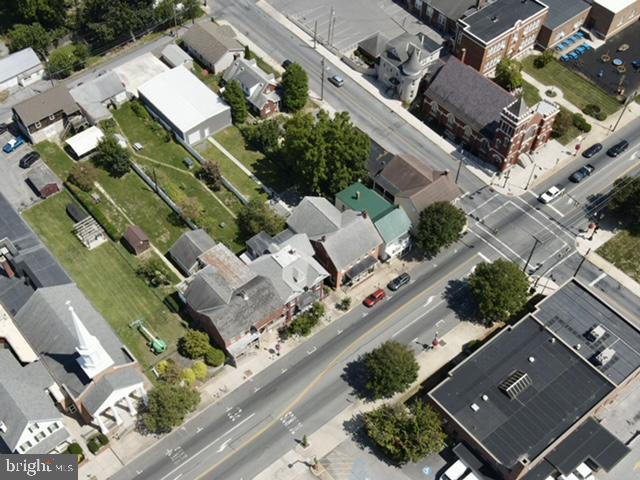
(356, 375)
(460, 299)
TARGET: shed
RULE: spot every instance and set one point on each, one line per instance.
(136, 240)
(174, 56)
(43, 181)
(85, 142)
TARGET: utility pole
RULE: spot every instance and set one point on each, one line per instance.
(459, 168)
(333, 28)
(581, 262)
(329, 31)
(322, 80)
(531, 254)
(315, 34)
(630, 99)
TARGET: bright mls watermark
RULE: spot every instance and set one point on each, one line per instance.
(51, 467)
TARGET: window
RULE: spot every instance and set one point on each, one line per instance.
(434, 107)
(418, 4)
(442, 19)
(451, 119)
(429, 11)
(53, 427)
(38, 125)
(40, 436)
(467, 131)
(52, 117)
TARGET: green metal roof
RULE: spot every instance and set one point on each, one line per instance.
(393, 225)
(362, 199)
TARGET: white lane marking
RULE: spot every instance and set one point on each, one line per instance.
(339, 332)
(283, 371)
(439, 322)
(484, 257)
(309, 352)
(177, 477)
(414, 340)
(546, 227)
(207, 446)
(428, 302)
(498, 240)
(223, 446)
(199, 429)
(555, 210)
(488, 243)
(535, 195)
(483, 203)
(600, 277)
(418, 318)
(256, 389)
(562, 261)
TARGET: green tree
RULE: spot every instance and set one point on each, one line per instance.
(234, 96)
(247, 53)
(392, 367)
(304, 323)
(406, 434)
(258, 216)
(440, 226)
(199, 370)
(65, 60)
(295, 85)
(214, 357)
(188, 376)
(500, 290)
(154, 272)
(191, 9)
(112, 157)
(324, 155)
(581, 123)
(210, 174)
(562, 123)
(168, 405)
(543, 60)
(169, 371)
(25, 36)
(105, 22)
(264, 136)
(194, 344)
(625, 201)
(509, 74)
(83, 175)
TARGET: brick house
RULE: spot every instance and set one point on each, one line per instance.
(503, 29)
(489, 121)
(565, 18)
(443, 15)
(607, 18)
(258, 86)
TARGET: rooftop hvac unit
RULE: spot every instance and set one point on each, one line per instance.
(605, 356)
(596, 333)
(475, 407)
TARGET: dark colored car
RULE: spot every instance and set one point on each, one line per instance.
(592, 150)
(618, 148)
(3, 128)
(29, 159)
(374, 298)
(398, 282)
(287, 63)
(581, 174)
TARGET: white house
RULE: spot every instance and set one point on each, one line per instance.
(179, 100)
(20, 68)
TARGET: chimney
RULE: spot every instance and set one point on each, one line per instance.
(357, 195)
(244, 295)
(463, 54)
(323, 238)
(4, 263)
(364, 214)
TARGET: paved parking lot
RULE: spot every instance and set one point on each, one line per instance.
(13, 183)
(355, 20)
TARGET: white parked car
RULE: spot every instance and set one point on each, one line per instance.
(455, 471)
(551, 194)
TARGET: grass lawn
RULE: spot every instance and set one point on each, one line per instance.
(623, 251)
(107, 276)
(572, 134)
(232, 172)
(575, 89)
(131, 194)
(530, 94)
(212, 81)
(262, 167)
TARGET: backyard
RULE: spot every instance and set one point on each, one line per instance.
(165, 159)
(622, 250)
(575, 89)
(107, 276)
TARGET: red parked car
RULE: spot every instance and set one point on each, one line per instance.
(374, 298)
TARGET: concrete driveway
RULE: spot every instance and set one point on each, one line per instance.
(13, 184)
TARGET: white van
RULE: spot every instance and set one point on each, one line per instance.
(455, 471)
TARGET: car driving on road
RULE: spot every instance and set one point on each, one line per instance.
(581, 174)
(337, 80)
(374, 298)
(592, 150)
(618, 148)
(398, 282)
(551, 194)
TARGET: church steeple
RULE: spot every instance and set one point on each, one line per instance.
(93, 358)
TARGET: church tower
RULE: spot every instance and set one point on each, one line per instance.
(93, 358)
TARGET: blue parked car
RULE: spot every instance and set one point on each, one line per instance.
(13, 144)
(636, 63)
(581, 49)
(564, 58)
(573, 55)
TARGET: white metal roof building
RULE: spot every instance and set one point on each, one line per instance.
(185, 104)
(85, 142)
(20, 68)
(139, 70)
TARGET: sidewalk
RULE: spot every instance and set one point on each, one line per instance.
(327, 438)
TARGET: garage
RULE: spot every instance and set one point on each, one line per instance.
(181, 102)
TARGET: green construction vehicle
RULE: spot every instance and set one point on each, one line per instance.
(156, 344)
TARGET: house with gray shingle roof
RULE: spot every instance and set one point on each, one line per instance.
(258, 86)
(214, 46)
(185, 251)
(492, 123)
(174, 56)
(98, 96)
(346, 244)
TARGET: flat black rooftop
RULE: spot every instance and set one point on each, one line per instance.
(498, 17)
(573, 311)
(561, 11)
(563, 388)
(590, 441)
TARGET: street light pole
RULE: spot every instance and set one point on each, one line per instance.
(531, 254)
(530, 177)
(459, 168)
(630, 99)
(581, 262)
(322, 81)
(315, 34)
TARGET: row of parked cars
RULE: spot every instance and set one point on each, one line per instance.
(395, 284)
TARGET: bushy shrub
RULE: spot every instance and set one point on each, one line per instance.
(188, 376)
(200, 370)
(93, 445)
(139, 110)
(601, 116)
(194, 344)
(214, 357)
(103, 439)
(581, 123)
(74, 449)
(593, 111)
(543, 60)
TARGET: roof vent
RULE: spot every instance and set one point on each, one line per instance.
(605, 356)
(532, 359)
(3, 427)
(494, 19)
(578, 346)
(475, 407)
(596, 333)
(552, 339)
(485, 397)
(244, 295)
(516, 383)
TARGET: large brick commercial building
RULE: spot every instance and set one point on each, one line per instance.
(608, 17)
(489, 121)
